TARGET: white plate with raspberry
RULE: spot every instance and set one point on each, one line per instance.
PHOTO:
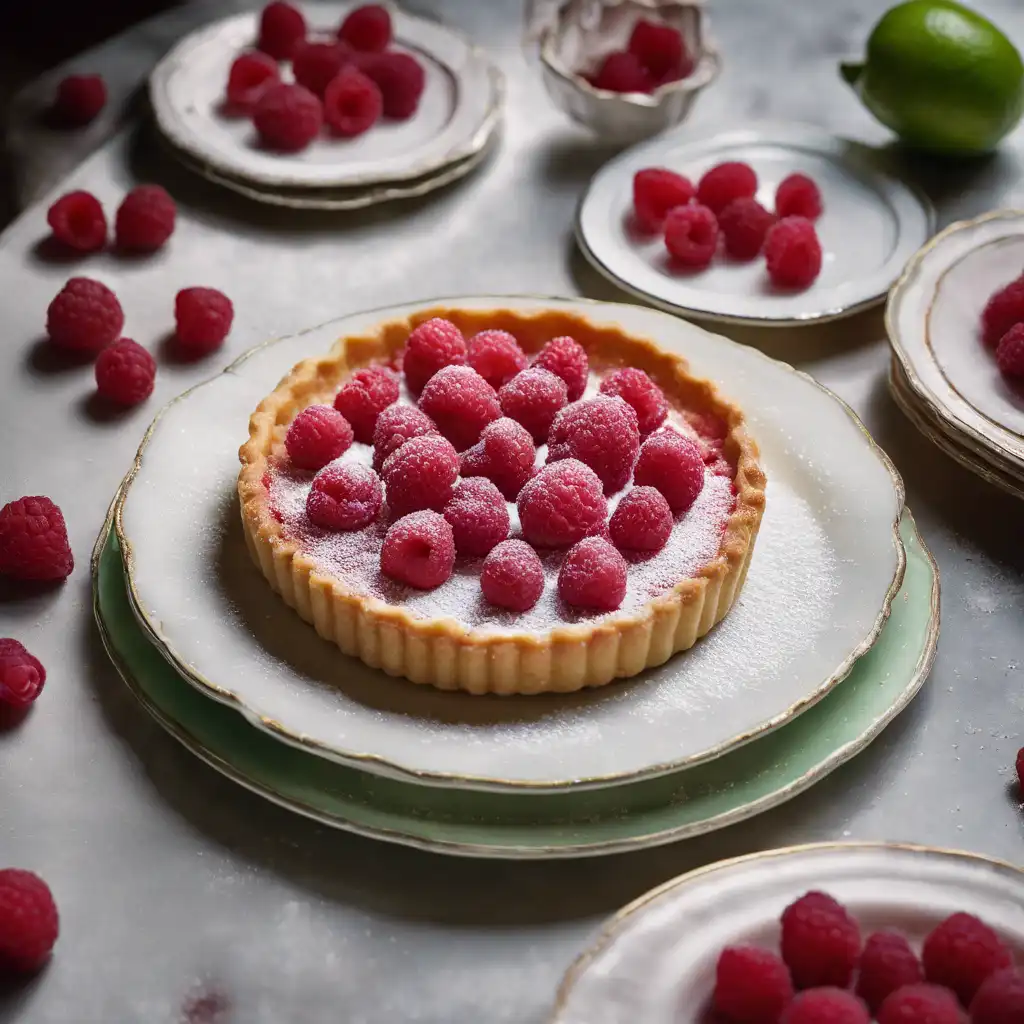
(278, 134)
(844, 932)
(770, 226)
(827, 563)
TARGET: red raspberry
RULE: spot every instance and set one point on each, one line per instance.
(562, 504)
(718, 187)
(1000, 1000)
(533, 398)
(395, 425)
(601, 432)
(622, 72)
(318, 435)
(660, 49)
(593, 576)
(432, 345)
(744, 223)
(1010, 352)
(656, 190)
(345, 496)
(642, 521)
(961, 953)
(504, 454)
(792, 253)
(752, 985)
(250, 76)
(22, 676)
(145, 219)
(673, 464)
(125, 372)
(1004, 309)
(400, 78)
(34, 541)
(820, 941)
(315, 65)
(496, 356)
(29, 923)
(364, 396)
(352, 103)
(203, 318)
(420, 474)
(568, 360)
(920, 1004)
(84, 316)
(419, 550)
(798, 196)
(461, 403)
(512, 576)
(282, 29)
(77, 221)
(825, 1006)
(288, 117)
(80, 98)
(691, 236)
(479, 516)
(887, 963)
(367, 29)
(638, 390)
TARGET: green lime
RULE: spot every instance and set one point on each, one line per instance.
(941, 76)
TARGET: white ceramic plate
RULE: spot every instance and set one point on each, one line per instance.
(655, 961)
(460, 108)
(871, 225)
(827, 563)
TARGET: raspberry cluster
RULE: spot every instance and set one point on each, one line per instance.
(1002, 329)
(655, 55)
(144, 221)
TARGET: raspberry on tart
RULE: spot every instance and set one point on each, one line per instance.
(420, 474)
(567, 359)
(431, 345)
(533, 398)
(318, 435)
(478, 516)
(562, 504)
(633, 386)
(673, 465)
(504, 454)
(496, 356)
(419, 550)
(344, 497)
(512, 576)
(601, 432)
(395, 425)
(461, 403)
(593, 575)
(364, 396)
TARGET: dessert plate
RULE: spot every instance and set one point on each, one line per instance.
(827, 564)
(655, 960)
(736, 786)
(872, 223)
(459, 110)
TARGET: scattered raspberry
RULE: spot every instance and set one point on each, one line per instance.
(496, 356)
(461, 403)
(395, 425)
(642, 521)
(562, 504)
(479, 516)
(364, 396)
(724, 183)
(367, 29)
(673, 465)
(661, 50)
(752, 986)
(691, 235)
(638, 390)
(419, 550)
(961, 953)
(85, 316)
(288, 117)
(420, 474)
(504, 454)
(533, 398)
(34, 541)
(1004, 309)
(792, 253)
(432, 345)
(798, 196)
(125, 372)
(601, 432)
(820, 941)
(512, 576)
(318, 435)
(887, 963)
(352, 103)
(29, 924)
(568, 360)
(400, 78)
(622, 72)
(593, 576)
(920, 1004)
(1010, 352)
(282, 29)
(345, 496)
(21, 676)
(315, 65)
(1000, 1000)
(145, 219)
(250, 76)
(825, 1006)
(744, 223)
(80, 98)
(656, 190)
(203, 319)
(77, 221)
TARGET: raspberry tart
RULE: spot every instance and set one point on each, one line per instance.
(560, 538)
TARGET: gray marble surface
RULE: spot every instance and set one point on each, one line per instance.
(175, 886)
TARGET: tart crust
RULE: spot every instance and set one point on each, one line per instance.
(450, 655)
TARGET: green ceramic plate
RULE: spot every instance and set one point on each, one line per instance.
(738, 785)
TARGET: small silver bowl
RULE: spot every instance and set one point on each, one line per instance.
(576, 43)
